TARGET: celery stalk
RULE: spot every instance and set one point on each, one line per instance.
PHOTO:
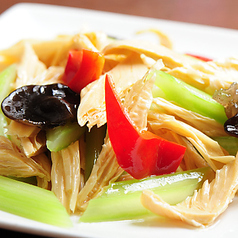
(7, 77)
(94, 142)
(229, 143)
(29, 180)
(3, 124)
(187, 96)
(60, 137)
(32, 202)
(121, 200)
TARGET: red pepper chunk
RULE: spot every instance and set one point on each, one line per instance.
(83, 67)
(141, 154)
(203, 58)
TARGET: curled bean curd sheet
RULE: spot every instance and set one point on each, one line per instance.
(24, 150)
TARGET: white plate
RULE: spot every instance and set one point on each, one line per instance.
(44, 22)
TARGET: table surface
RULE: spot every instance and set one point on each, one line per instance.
(221, 13)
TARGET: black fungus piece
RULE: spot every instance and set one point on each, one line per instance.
(42, 105)
(229, 99)
(231, 126)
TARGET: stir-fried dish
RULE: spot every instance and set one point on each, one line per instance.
(121, 129)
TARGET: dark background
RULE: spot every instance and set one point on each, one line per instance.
(222, 13)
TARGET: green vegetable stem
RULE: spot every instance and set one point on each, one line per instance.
(32, 202)
(187, 96)
(94, 141)
(60, 137)
(229, 143)
(121, 200)
(7, 77)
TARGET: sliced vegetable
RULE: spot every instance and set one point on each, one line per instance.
(3, 124)
(30, 180)
(140, 153)
(94, 142)
(121, 200)
(187, 96)
(82, 68)
(60, 137)
(32, 202)
(42, 105)
(229, 143)
(7, 77)
(206, 59)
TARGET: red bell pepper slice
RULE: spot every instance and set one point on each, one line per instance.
(83, 67)
(140, 153)
(203, 58)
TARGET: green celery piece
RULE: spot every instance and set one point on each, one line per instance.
(121, 200)
(187, 96)
(3, 124)
(32, 202)
(94, 142)
(60, 137)
(7, 77)
(29, 180)
(229, 143)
